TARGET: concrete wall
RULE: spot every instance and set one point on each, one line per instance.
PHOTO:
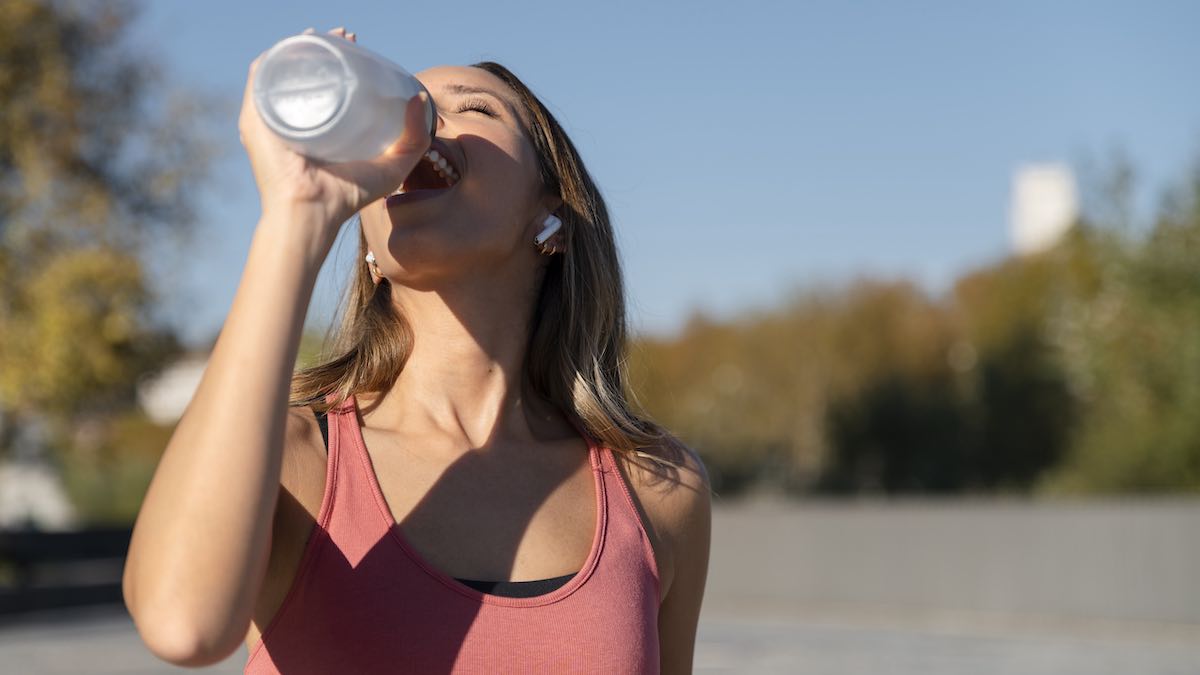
(1112, 559)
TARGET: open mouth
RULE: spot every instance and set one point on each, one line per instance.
(434, 171)
(428, 178)
(425, 176)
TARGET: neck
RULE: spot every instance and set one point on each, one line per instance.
(465, 378)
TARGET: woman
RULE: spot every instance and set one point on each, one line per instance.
(464, 486)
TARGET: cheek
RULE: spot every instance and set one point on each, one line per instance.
(376, 227)
(506, 186)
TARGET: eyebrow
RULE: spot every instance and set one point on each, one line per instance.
(469, 89)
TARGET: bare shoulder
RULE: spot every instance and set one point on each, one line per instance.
(302, 474)
(302, 427)
(674, 496)
(675, 479)
(672, 488)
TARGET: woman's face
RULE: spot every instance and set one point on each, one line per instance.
(484, 223)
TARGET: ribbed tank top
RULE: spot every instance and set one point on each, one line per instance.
(519, 589)
(365, 601)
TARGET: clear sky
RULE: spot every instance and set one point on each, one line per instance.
(748, 148)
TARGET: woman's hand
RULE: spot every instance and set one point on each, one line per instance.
(288, 182)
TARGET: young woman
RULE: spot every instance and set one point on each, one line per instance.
(462, 485)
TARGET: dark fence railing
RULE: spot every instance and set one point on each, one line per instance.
(52, 570)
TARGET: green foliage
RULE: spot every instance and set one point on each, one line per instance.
(77, 333)
(1132, 351)
(100, 165)
(98, 171)
(107, 471)
(309, 353)
(754, 396)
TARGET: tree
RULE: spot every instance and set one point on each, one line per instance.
(1131, 349)
(99, 164)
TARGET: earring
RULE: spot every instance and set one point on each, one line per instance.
(552, 224)
(373, 266)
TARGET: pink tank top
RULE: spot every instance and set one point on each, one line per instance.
(364, 601)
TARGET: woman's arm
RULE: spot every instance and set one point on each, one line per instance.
(687, 512)
(202, 538)
(201, 543)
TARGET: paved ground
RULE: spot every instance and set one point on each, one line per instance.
(929, 645)
(830, 643)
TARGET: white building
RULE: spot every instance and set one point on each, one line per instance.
(31, 491)
(1044, 205)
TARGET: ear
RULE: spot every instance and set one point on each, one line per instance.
(550, 203)
(558, 241)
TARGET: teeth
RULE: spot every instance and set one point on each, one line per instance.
(444, 169)
(442, 166)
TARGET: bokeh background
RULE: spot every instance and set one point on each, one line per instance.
(919, 281)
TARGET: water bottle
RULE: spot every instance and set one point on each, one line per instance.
(332, 100)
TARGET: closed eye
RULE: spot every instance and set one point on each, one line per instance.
(478, 104)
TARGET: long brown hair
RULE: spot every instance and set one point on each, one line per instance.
(578, 329)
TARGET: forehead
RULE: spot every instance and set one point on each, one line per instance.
(437, 78)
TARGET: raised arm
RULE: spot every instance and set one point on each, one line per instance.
(202, 539)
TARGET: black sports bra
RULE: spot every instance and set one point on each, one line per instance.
(512, 589)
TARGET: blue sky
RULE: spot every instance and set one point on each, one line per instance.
(746, 149)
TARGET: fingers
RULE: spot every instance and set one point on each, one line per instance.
(394, 165)
(340, 31)
(245, 118)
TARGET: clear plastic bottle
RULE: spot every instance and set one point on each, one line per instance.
(330, 99)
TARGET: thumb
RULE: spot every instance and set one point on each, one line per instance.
(416, 138)
(381, 175)
(402, 155)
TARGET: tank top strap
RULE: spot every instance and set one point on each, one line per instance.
(355, 521)
(342, 407)
(627, 530)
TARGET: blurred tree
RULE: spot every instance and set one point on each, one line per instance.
(107, 477)
(754, 395)
(1073, 370)
(1019, 404)
(310, 352)
(1131, 350)
(99, 166)
(895, 420)
(904, 433)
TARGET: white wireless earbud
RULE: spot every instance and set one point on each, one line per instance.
(552, 224)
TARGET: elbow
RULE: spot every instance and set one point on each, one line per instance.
(170, 642)
(170, 637)
(181, 645)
